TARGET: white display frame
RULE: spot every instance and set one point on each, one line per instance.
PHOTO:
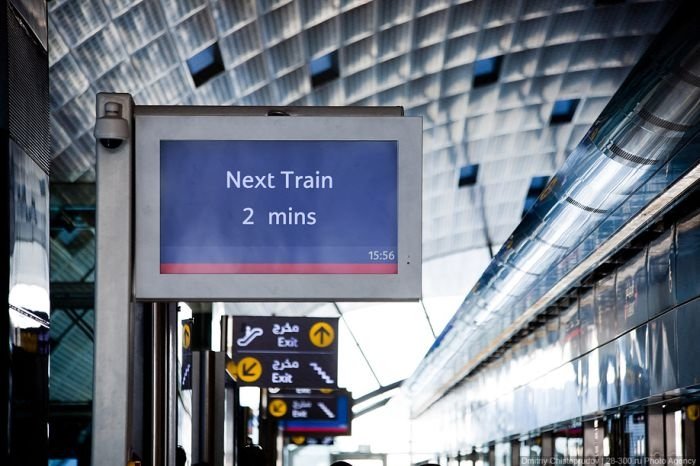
(155, 124)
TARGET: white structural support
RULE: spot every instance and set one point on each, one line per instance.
(113, 285)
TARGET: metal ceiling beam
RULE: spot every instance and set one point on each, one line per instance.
(357, 343)
(378, 392)
(371, 408)
(427, 317)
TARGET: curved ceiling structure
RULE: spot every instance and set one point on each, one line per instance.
(506, 90)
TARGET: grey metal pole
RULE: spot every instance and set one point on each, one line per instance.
(162, 387)
(113, 287)
(202, 406)
(219, 405)
(171, 384)
(208, 410)
(157, 385)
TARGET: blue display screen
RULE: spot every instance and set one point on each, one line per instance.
(280, 207)
(340, 425)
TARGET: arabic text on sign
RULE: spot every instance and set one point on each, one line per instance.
(278, 329)
(286, 364)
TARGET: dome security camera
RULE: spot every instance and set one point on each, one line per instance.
(111, 129)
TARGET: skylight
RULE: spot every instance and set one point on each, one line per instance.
(563, 111)
(467, 175)
(206, 64)
(486, 71)
(324, 69)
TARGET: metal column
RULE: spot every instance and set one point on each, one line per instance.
(113, 285)
(547, 445)
(655, 432)
(515, 453)
(162, 388)
(593, 434)
(208, 407)
(268, 431)
(673, 432)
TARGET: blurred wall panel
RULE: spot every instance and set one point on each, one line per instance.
(661, 258)
(687, 252)
(25, 142)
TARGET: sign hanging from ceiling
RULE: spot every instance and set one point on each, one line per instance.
(305, 404)
(312, 412)
(239, 208)
(290, 352)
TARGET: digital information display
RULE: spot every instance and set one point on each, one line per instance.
(338, 422)
(233, 207)
(305, 404)
(278, 207)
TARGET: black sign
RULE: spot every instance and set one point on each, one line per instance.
(286, 352)
(317, 405)
(327, 414)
